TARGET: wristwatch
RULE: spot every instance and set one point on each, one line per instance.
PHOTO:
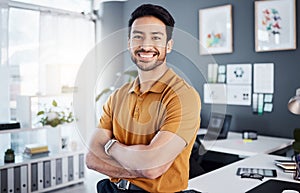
(108, 145)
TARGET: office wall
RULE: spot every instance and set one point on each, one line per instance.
(280, 122)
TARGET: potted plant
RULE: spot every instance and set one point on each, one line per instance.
(131, 73)
(55, 115)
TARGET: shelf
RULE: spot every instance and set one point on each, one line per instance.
(64, 161)
(17, 130)
(43, 174)
(20, 160)
(20, 130)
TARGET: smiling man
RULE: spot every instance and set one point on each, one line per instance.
(148, 126)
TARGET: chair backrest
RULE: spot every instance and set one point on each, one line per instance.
(196, 159)
(219, 125)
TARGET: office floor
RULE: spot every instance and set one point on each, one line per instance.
(89, 185)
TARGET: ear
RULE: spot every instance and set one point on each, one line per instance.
(170, 45)
(128, 44)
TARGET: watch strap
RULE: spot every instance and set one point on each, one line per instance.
(108, 145)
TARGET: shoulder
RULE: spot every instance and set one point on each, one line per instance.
(122, 91)
(181, 88)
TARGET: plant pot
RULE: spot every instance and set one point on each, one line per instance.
(9, 158)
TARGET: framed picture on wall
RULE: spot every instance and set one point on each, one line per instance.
(275, 25)
(215, 30)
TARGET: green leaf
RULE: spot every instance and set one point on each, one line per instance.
(41, 113)
(106, 90)
(54, 103)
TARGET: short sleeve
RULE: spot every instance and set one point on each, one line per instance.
(106, 117)
(182, 115)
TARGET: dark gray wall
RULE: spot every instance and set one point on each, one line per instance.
(280, 122)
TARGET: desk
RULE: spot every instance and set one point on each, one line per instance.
(225, 179)
(235, 145)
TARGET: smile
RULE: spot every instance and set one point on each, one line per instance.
(147, 54)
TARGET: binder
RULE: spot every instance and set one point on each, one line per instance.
(58, 171)
(70, 168)
(76, 167)
(47, 174)
(64, 170)
(3, 180)
(53, 172)
(10, 179)
(40, 175)
(81, 166)
(17, 179)
(24, 179)
(34, 177)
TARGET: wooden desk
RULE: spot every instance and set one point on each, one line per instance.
(225, 179)
(235, 145)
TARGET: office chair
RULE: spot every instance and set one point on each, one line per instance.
(196, 159)
(218, 128)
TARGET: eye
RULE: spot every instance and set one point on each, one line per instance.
(137, 37)
(156, 38)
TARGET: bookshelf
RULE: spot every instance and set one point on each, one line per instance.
(60, 168)
(64, 165)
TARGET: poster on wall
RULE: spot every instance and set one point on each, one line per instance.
(215, 30)
(239, 95)
(275, 25)
(239, 73)
(263, 78)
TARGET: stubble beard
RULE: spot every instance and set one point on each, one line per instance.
(148, 65)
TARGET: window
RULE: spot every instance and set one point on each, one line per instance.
(40, 53)
(43, 45)
(70, 5)
(23, 51)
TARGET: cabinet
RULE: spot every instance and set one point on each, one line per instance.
(62, 167)
(43, 174)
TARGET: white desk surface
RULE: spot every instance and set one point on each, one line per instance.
(225, 179)
(234, 144)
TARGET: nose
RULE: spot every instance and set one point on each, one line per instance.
(147, 43)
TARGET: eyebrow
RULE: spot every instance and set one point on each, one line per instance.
(158, 33)
(153, 33)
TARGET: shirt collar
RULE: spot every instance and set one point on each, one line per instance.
(158, 86)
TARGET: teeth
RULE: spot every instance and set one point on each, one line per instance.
(146, 55)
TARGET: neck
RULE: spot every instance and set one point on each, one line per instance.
(148, 78)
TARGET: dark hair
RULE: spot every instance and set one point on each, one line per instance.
(155, 11)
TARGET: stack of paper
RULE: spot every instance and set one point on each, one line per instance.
(36, 150)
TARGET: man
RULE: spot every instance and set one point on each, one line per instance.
(148, 127)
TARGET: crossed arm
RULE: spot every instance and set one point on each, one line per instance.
(146, 161)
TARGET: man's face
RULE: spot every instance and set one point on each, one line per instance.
(148, 43)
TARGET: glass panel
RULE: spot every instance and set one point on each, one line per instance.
(4, 70)
(23, 53)
(4, 143)
(70, 5)
(50, 45)
(3, 36)
(64, 42)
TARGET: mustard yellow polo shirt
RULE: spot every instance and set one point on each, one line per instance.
(134, 118)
